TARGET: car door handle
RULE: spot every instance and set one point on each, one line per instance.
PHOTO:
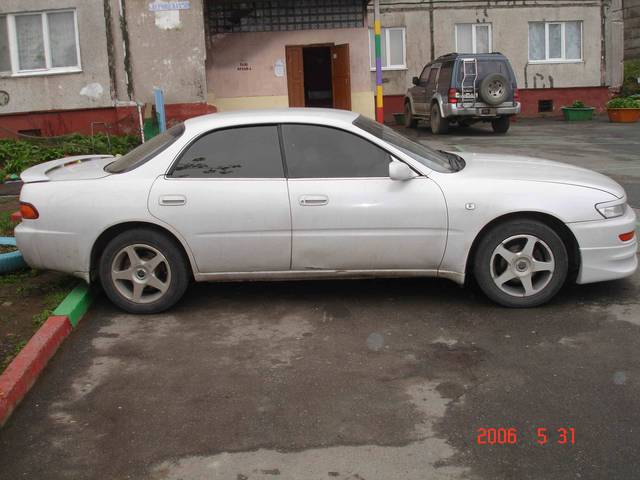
(172, 200)
(313, 200)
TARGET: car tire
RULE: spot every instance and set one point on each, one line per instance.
(501, 124)
(439, 125)
(494, 89)
(409, 120)
(521, 263)
(143, 271)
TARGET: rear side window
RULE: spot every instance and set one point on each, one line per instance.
(243, 152)
(146, 151)
(314, 151)
(444, 80)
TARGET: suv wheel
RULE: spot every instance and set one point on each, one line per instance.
(143, 271)
(409, 120)
(501, 124)
(521, 263)
(439, 125)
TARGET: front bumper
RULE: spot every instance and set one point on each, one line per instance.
(603, 256)
(481, 111)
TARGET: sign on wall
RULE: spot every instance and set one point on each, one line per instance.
(159, 6)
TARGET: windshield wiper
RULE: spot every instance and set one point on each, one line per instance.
(456, 161)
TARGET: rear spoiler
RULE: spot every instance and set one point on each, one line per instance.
(40, 172)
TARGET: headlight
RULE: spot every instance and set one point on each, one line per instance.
(611, 210)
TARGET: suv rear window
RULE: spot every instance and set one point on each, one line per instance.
(485, 67)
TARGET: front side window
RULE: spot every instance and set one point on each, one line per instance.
(314, 151)
(555, 41)
(42, 42)
(473, 38)
(242, 152)
(393, 49)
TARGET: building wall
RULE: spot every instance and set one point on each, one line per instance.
(631, 14)
(256, 85)
(64, 91)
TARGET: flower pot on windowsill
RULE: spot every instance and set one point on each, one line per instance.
(623, 115)
(573, 114)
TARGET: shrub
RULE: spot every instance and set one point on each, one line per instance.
(623, 102)
(578, 104)
(18, 155)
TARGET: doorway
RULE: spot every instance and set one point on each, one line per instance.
(319, 76)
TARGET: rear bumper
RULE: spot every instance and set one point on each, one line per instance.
(456, 110)
(603, 255)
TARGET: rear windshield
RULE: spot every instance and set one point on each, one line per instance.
(146, 151)
(486, 67)
(429, 157)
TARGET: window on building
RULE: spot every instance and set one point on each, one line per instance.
(555, 41)
(246, 152)
(322, 152)
(393, 49)
(473, 38)
(42, 42)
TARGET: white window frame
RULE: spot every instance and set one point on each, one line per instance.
(562, 59)
(474, 45)
(15, 71)
(387, 46)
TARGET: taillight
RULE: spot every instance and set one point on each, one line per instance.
(516, 95)
(625, 237)
(28, 211)
(453, 95)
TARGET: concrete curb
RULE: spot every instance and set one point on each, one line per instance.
(25, 369)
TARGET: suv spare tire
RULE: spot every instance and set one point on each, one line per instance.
(495, 89)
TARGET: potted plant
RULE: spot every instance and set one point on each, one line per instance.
(623, 110)
(578, 111)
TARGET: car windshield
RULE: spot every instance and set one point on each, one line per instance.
(429, 157)
(146, 151)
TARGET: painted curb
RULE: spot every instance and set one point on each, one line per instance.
(24, 370)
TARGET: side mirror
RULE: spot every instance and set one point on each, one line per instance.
(415, 80)
(400, 171)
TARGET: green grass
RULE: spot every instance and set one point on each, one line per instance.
(6, 225)
(52, 300)
(16, 350)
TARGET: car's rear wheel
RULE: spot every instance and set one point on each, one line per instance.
(521, 263)
(409, 120)
(143, 271)
(439, 125)
(501, 124)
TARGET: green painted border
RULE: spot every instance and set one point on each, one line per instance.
(75, 305)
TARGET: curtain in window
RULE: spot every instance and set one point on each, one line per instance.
(536, 41)
(555, 40)
(30, 42)
(396, 48)
(573, 38)
(482, 39)
(5, 58)
(464, 39)
(62, 38)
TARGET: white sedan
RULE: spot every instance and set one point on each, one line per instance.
(308, 194)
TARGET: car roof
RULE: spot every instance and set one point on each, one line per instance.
(275, 115)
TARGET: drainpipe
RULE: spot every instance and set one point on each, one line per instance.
(378, 34)
(125, 45)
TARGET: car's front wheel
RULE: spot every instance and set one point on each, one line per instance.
(143, 271)
(521, 263)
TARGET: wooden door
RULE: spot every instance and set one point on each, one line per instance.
(341, 77)
(295, 76)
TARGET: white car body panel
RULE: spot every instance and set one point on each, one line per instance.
(422, 226)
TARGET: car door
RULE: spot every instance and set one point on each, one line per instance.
(227, 196)
(431, 86)
(347, 214)
(419, 93)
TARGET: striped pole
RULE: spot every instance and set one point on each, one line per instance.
(377, 30)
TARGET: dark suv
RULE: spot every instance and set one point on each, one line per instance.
(464, 88)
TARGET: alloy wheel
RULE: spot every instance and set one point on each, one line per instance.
(141, 273)
(522, 265)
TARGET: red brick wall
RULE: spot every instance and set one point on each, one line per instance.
(120, 120)
(591, 96)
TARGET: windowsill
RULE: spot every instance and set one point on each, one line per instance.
(542, 62)
(41, 73)
(391, 69)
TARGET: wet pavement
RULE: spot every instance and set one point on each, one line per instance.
(350, 380)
